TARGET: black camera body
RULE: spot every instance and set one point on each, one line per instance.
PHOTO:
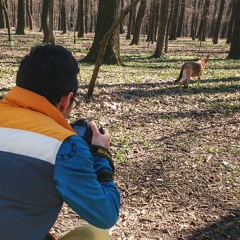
(83, 129)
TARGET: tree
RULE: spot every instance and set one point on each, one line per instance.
(3, 6)
(20, 21)
(234, 52)
(86, 16)
(63, 17)
(203, 23)
(173, 28)
(103, 46)
(193, 22)
(2, 18)
(29, 15)
(180, 20)
(47, 22)
(138, 23)
(153, 20)
(80, 17)
(218, 22)
(162, 29)
(230, 25)
(107, 14)
(129, 26)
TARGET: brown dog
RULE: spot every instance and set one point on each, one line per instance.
(191, 69)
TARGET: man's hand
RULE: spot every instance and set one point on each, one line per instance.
(98, 138)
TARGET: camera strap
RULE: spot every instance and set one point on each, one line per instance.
(103, 175)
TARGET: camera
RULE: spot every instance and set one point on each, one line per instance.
(83, 129)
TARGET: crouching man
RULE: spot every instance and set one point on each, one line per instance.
(43, 162)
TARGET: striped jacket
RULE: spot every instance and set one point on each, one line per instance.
(42, 164)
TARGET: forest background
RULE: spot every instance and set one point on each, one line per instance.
(176, 152)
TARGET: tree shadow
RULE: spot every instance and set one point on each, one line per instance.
(135, 91)
(227, 228)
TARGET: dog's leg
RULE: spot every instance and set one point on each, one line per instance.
(199, 79)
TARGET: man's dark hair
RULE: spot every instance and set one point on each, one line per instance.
(50, 71)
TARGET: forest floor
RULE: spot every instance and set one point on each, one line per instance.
(177, 153)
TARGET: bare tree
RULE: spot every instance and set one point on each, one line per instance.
(20, 21)
(86, 16)
(47, 22)
(80, 19)
(180, 20)
(107, 14)
(138, 24)
(204, 21)
(218, 22)
(162, 29)
(234, 52)
(3, 6)
(174, 22)
(29, 15)
(193, 22)
(103, 46)
(2, 17)
(130, 21)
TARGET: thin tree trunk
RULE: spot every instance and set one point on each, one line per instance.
(2, 3)
(173, 29)
(180, 21)
(162, 29)
(29, 15)
(193, 25)
(47, 22)
(218, 22)
(80, 19)
(138, 24)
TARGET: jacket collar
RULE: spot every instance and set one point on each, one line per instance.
(26, 99)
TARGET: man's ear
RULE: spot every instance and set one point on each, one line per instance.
(65, 103)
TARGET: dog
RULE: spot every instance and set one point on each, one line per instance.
(191, 69)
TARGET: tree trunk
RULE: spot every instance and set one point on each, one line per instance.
(213, 22)
(226, 21)
(230, 25)
(218, 22)
(107, 14)
(47, 22)
(63, 17)
(86, 16)
(29, 15)
(162, 29)
(152, 22)
(59, 15)
(2, 18)
(203, 24)
(234, 52)
(20, 21)
(173, 28)
(138, 24)
(80, 23)
(103, 46)
(121, 24)
(193, 22)
(129, 27)
(180, 21)
(3, 5)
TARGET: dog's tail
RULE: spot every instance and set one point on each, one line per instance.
(180, 76)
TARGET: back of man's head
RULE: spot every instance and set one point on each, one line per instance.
(50, 71)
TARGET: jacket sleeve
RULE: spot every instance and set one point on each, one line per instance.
(76, 180)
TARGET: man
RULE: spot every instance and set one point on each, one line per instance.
(43, 163)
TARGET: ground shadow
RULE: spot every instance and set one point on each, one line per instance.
(227, 228)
